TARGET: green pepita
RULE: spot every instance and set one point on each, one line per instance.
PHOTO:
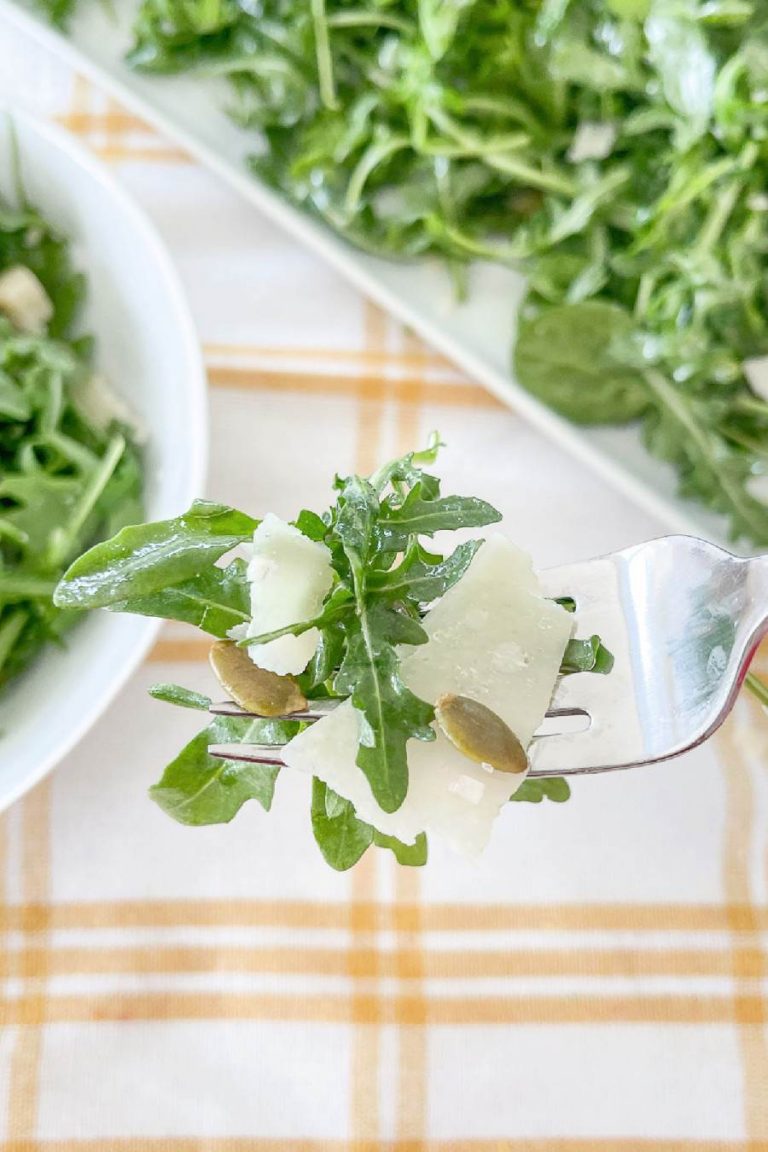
(480, 734)
(253, 688)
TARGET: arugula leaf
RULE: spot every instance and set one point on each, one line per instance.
(335, 805)
(564, 356)
(12, 626)
(410, 855)
(757, 687)
(423, 513)
(214, 600)
(356, 519)
(338, 605)
(587, 656)
(14, 405)
(315, 681)
(397, 626)
(553, 788)
(424, 580)
(181, 697)
(370, 676)
(59, 11)
(199, 789)
(340, 836)
(311, 525)
(679, 50)
(679, 430)
(146, 559)
(343, 838)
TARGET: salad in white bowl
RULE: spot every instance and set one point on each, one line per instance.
(98, 356)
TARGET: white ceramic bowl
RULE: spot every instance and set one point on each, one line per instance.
(147, 348)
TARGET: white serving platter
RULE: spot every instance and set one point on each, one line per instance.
(476, 335)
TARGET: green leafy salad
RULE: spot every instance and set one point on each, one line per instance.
(69, 473)
(615, 151)
(425, 674)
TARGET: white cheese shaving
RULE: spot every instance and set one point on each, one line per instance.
(493, 637)
(757, 487)
(24, 301)
(592, 140)
(101, 405)
(756, 372)
(290, 576)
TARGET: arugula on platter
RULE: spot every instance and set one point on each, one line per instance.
(612, 150)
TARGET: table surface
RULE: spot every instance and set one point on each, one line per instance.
(595, 982)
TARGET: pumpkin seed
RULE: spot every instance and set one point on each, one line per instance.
(253, 688)
(480, 734)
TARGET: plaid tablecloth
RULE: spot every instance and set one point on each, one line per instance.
(596, 983)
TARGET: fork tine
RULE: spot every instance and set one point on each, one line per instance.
(316, 711)
(562, 706)
(582, 692)
(547, 765)
(270, 753)
(565, 755)
(585, 582)
(248, 753)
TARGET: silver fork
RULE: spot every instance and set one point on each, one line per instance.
(682, 618)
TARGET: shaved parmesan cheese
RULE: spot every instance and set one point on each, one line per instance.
(24, 300)
(100, 405)
(757, 487)
(290, 576)
(756, 372)
(492, 637)
(592, 140)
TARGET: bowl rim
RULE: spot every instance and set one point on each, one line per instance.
(196, 420)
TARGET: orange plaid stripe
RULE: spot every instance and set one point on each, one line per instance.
(255, 1144)
(410, 391)
(114, 134)
(741, 920)
(24, 1084)
(740, 833)
(411, 964)
(368, 1012)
